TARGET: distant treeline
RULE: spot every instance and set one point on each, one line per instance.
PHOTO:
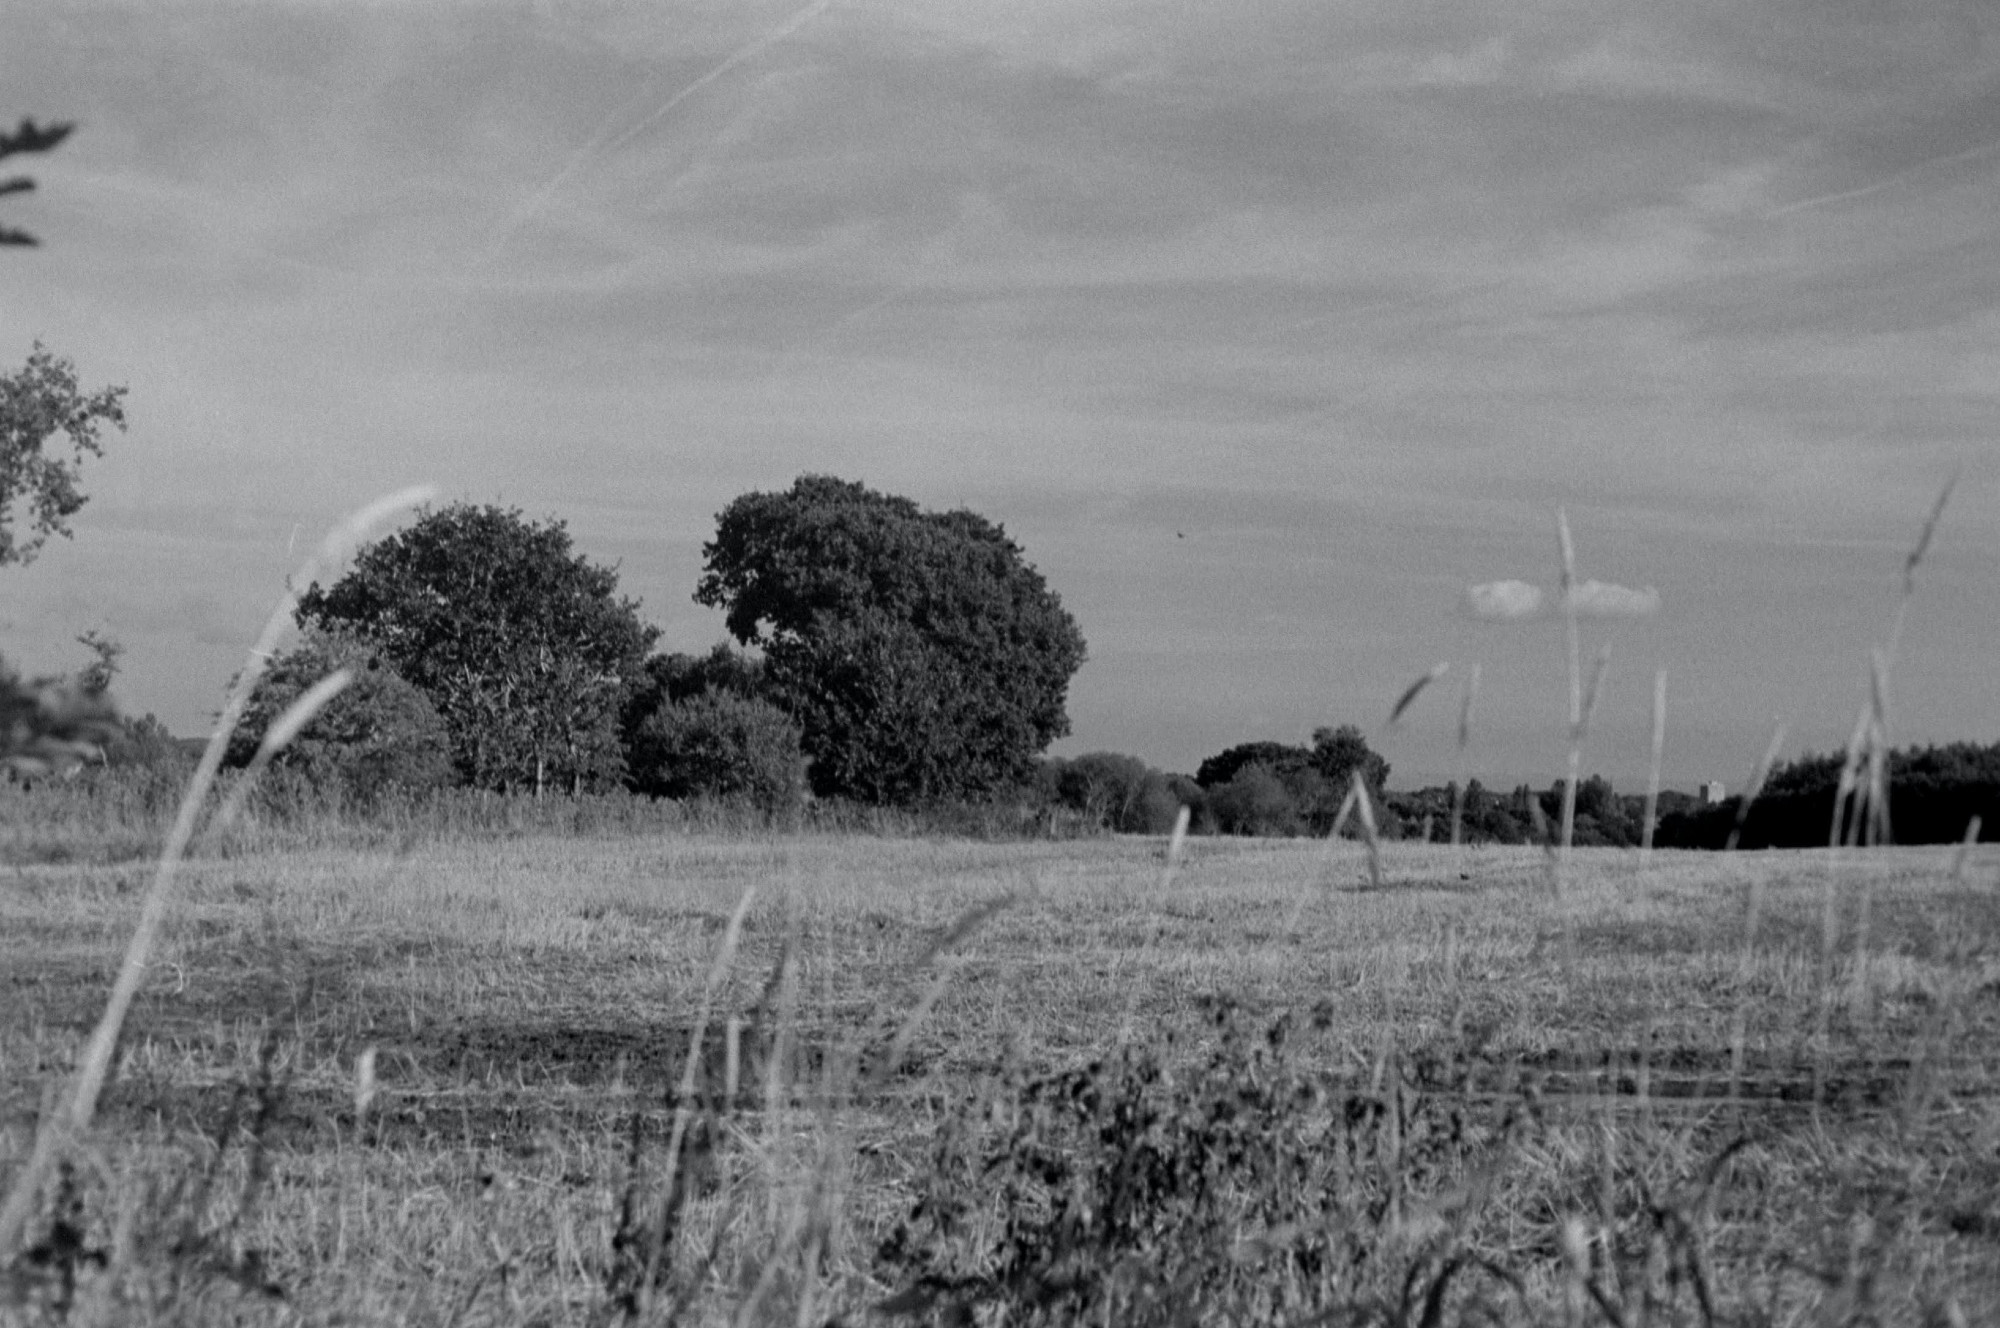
(1274, 789)
(1934, 792)
(1268, 788)
(1256, 788)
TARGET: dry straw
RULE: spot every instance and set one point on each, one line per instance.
(1356, 805)
(1582, 697)
(75, 1114)
(1464, 740)
(1653, 776)
(1176, 845)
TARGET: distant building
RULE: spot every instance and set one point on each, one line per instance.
(1712, 793)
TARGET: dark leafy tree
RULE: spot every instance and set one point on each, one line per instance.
(1316, 779)
(1338, 753)
(720, 744)
(678, 676)
(1101, 785)
(524, 646)
(923, 657)
(38, 483)
(1488, 818)
(1118, 792)
(379, 733)
(30, 137)
(1275, 757)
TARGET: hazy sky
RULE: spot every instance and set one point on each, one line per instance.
(1265, 329)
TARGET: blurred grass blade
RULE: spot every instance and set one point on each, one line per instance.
(1465, 709)
(1363, 807)
(1755, 788)
(1916, 558)
(1850, 772)
(1592, 690)
(1416, 689)
(76, 1114)
(279, 736)
(1653, 775)
(1568, 551)
(1965, 847)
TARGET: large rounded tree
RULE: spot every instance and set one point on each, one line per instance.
(922, 656)
(525, 647)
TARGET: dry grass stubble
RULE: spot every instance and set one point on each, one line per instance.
(530, 1004)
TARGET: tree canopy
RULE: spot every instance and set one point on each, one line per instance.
(922, 656)
(38, 402)
(49, 723)
(1337, 753)
(524, 646)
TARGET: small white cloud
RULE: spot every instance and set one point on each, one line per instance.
(1601, 599)
(1503, 601)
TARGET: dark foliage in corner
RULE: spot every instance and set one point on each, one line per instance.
(29, 137)
(51, 724)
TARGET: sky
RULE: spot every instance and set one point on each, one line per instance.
(1266, 331)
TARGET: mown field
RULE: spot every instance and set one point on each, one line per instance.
(1016, 1082)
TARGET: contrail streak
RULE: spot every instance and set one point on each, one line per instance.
(597, 144)
(1848, 195)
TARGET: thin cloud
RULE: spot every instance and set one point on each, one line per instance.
(1503, 601)
(1602, 599)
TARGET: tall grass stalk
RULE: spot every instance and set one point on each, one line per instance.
(1653, 775)
(1176, 842)
(1464, 740)
(1829, 923)
(1579, 729)
(75, 1115)
(661, 1227)
(1364, 809)
(1753, 906)
(287, 727)
(1567, 549)
(1914, 560)
(1965, 847)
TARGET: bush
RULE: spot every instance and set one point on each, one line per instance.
(720, 744)
(1116, 792)
(1255, 802)
(380, 733)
